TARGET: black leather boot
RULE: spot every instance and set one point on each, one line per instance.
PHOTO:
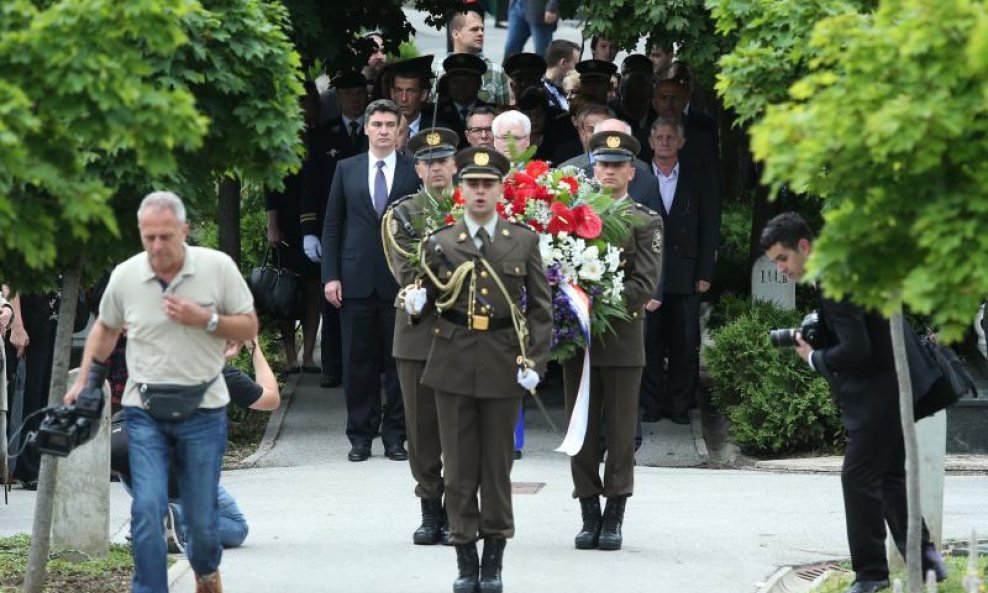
(490, 565)
(428, 532)
(444, 527)
(469, 566)
(610, 531)
(588, 536)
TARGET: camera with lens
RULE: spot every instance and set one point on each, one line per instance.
(66, 427)
(810, 329)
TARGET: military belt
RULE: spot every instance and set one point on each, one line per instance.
(462, 319)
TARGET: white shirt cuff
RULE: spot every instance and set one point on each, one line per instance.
(809, 360)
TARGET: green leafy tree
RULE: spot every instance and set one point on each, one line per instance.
(889, 127)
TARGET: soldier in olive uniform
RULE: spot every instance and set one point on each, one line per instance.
(479, 365)
(616, 360)
(433, 150)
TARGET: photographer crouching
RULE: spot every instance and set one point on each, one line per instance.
(852, 349)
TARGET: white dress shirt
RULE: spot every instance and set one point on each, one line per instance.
(389, 171)
(667, 185)
(413, 126)
(346, 124)
(473, 227)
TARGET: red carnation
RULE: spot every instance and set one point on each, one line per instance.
(562, 219)
(458, 197)
(536, 168)
(522, 180)
(449, 219)
(586, 223)
(536, 225)
(574, 186)
(541, 193)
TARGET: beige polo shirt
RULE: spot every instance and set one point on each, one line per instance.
(163, 351)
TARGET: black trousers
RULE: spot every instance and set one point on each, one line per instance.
(673, 333)
(331, 349)
(873, 479)
(368, 327)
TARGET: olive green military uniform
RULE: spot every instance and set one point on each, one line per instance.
(474, 370)
(618, 358)
(616, 363)
(412, 338)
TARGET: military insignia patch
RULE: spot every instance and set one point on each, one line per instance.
(657, 242)
(432, 139)
(481, 158)
(333, 152)
(613, 141)
(393, 227)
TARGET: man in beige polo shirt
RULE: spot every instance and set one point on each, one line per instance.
(180, 304)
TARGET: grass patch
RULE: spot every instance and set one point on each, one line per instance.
(103, 575)
(957, 565)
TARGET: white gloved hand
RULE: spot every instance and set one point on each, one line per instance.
(313, 247)
(415, 299)
(528, 379)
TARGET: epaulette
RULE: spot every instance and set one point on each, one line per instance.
(440, 228)
(523, 225)
(400, 200)
(646, 209)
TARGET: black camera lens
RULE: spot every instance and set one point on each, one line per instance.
(782, 338)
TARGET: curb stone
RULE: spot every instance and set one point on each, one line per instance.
(274, 425)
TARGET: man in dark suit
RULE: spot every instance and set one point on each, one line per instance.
(692, 222)
(358, 282)
(858, 352)
(464, 75)
(328, 144)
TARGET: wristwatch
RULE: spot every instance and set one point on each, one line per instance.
(214, 321)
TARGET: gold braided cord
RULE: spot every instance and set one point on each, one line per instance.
(517, 318)
(450, 290)
(389, 242)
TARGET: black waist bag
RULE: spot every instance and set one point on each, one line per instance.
(171, 403)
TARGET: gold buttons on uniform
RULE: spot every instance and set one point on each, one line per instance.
(517, 270)
(483, 291)
(436, 331)
(505, 232)
(483, 273)
(462, 237)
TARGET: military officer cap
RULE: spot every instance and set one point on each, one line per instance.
(524, 62)
(596, 69)
(636, 63)
(677, 73)
(464, 63)
(613, 147)
(481, 162)
(349, 79)
(433, 144)
(413, 67)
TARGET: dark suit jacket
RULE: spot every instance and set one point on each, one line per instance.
(447, 116)
(692, 232)
(326, 145)
(351, 236)
(701, 151)
(859, 367)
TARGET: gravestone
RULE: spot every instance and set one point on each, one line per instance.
(81, 515)
(768, 284)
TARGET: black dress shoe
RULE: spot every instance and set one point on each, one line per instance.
(680, 418)
(932, 560)
(329, 381)
(868, 586)
(396, 452)
(359, 452)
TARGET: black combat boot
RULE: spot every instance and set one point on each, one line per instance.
(588, 536)
(444, 527)
(469, 566)
(490, 565)
(429, 531)
(610, 532)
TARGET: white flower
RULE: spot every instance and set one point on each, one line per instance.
(592, 270)
(568, 270)
(545, 248)
(612, 258)
(590, 255)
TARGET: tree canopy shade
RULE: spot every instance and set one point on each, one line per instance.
(100, 102)
(890, 127)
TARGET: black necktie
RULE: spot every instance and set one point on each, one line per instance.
(354, 126)
(485, 240)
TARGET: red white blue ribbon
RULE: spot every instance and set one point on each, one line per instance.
(576, 433)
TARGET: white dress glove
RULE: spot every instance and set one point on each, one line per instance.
(415, 299)
(313, 247)
(528, 379)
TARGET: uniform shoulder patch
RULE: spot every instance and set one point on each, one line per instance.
(657, 241)
(646, 209)
(401, 200)
(523, 224)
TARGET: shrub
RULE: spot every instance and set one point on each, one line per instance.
(773, 400)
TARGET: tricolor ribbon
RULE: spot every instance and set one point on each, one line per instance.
(579, 303)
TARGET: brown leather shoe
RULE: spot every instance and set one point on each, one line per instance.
(209, 583)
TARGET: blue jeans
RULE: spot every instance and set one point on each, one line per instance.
(233, 524)
(519, 30)
(196, 446)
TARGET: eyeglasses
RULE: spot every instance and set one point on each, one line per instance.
(487, 130)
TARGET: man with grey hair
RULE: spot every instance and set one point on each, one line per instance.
(512, 133)
(180, 305)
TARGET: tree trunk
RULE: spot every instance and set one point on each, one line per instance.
(762, 210)
(228, 222)
(36, 572)
(914, 581)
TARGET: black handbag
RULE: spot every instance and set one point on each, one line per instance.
(171, 403)
(954, 382)
(275, 288)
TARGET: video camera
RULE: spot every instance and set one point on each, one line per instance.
(810, 329)
(66, 427)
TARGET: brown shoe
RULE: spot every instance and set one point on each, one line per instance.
(209, 583)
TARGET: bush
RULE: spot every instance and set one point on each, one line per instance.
(773, 400)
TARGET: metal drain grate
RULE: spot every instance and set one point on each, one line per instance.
(812, 572)
(526, 487)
